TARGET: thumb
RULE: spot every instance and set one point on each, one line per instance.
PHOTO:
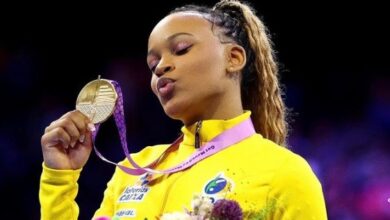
(88, 141)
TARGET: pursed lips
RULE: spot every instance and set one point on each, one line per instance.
(165, 87)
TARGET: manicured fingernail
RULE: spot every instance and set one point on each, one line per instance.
(82, 138)
(91, 127)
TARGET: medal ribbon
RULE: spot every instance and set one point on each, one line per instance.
(227, 138)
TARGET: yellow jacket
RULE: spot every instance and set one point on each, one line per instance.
(259, 174)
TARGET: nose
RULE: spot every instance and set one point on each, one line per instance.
(163, 68)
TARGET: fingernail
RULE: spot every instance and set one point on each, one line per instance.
(91, 127)
(82, 138)
(72, 144)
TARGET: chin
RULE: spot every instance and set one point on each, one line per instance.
(171, 109)
(175, 111)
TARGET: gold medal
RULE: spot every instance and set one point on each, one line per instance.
(97, 100)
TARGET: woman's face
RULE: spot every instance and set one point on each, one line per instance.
(188, 63)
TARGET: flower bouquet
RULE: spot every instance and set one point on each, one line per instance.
(204, 209)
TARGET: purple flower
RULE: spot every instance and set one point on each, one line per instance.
(102, 218)
(226, 209)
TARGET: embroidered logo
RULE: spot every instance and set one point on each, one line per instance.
(144, 180)
(137, 192)
(125, 213)
(218, 187)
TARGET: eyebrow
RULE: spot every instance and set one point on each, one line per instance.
(170, 38)
(173, 36)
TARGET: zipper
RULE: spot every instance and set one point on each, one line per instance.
(180, 174)
(197, 135)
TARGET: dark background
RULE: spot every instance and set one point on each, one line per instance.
(334, 67)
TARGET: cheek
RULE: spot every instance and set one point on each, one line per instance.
(212, 60)
(153, 84)
(210, 67)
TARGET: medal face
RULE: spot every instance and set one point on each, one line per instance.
(97, 100)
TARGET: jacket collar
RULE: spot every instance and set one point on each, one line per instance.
(210, 128)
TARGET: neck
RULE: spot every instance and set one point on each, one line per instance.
(228, 108)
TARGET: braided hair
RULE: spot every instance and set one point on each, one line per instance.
(260, 89)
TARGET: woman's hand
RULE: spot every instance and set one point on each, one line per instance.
(67, 142)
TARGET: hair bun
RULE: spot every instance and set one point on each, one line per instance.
(231, 7)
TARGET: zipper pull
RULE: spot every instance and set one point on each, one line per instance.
(197, 135)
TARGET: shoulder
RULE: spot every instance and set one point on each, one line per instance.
(295, 187)
(294, 169)
(289, 166)
(269, 154)
(289, 169)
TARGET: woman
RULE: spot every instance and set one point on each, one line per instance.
(214, 70)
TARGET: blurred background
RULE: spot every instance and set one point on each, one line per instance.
(334, 67)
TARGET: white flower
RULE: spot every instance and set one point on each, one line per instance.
(196, 201)
(176, 216)
(205, 208)
(202, 206)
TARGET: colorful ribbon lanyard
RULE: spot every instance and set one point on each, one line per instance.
(227, 138)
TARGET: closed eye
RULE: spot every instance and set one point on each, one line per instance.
(183, 51)
(182, 48)
(153, 64)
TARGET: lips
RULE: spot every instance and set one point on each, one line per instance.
(165, 87)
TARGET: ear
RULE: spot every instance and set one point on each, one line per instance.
(236, 58)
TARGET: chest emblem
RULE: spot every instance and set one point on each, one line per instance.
(136, 192)
(218, 187)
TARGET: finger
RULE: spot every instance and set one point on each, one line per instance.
(82, 138)
(91, 128)
(54, 137)
(79, 119)
(71, 128)
(87, 140)
(53, 124)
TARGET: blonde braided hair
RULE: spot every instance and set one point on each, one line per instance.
(260, 89)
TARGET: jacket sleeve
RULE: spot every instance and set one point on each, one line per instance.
(107, 207)
(296, 193)
(57, 193)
